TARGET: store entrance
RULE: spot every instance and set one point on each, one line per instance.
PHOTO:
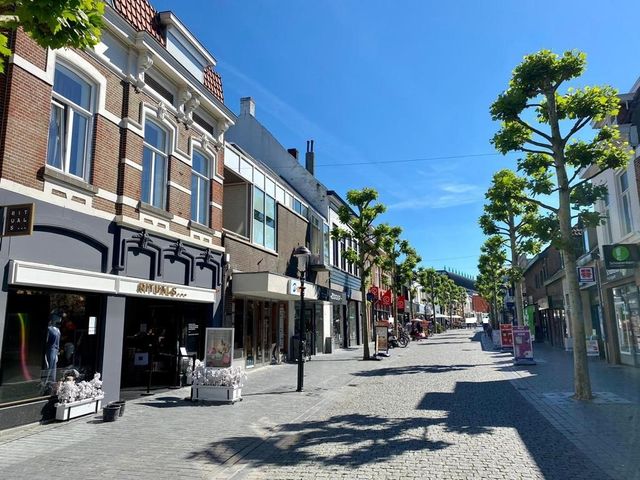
(157, 335)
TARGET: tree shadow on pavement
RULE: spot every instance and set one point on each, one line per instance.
(347, 440)
(476, 408)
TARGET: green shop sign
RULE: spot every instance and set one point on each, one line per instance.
(621, 256)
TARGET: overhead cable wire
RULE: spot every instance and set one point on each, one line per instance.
(425, 159)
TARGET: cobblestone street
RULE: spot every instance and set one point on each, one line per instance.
(446, 408)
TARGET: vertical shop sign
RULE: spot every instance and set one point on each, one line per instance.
(18, 220)
(401, 302)
(506, 336)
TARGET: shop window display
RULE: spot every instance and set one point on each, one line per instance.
(46, 333)
(627, 307)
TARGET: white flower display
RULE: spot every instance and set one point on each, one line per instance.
(71, 391)
(217, 377)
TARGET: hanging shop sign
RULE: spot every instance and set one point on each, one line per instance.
(18, 219)
(386, 298)
(621, 256)
(586, 274)
(401, 302)
(506, 336)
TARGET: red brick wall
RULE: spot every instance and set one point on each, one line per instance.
(29, 50)
(28, 106)
(106, 146)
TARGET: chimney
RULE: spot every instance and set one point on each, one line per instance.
(310, 158)
(247, 106)
(293, 152)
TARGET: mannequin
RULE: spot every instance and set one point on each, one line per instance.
(52, 348)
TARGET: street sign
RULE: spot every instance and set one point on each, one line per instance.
(18, 219)
(370, 297)
(621, 256)
(374, 290)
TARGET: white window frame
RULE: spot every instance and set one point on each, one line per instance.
(626, 223)
(196, 194)
(157, 152)
(263, 222)
(69, 110)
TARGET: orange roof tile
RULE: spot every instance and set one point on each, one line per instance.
(142, 16)
(213, 83)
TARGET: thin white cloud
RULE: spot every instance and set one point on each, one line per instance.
(459, 188)
(442, 196)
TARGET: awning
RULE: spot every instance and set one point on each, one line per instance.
(271, 286)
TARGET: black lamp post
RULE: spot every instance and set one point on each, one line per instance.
(302, 254)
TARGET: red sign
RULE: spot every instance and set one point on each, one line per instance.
(374, 291)
(401, 302)
(522, 348)
(386, 298)
(586, 274)
(506, 335)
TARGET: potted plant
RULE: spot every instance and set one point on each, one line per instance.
(78, 398)
(216, 384)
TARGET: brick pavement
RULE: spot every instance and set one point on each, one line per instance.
(441, 409)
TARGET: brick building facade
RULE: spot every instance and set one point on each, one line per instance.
(118, 154)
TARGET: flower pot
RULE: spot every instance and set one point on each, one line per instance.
(216, 394)
(69, 410)
(110, 413)
(122, 404)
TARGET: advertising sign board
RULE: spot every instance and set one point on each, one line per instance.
(218, 347)
(506, 336)
(522, 347)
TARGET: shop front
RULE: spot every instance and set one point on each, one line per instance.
(80, 293)
(626, 304)
(265, 313)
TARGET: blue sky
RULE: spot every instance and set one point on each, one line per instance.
(379, 81)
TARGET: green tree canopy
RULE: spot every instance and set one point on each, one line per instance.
(52, 24)
(542, 118)
(368, 240)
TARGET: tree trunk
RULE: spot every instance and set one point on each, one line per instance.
(515, 266)
(581, 380)
(365, 317)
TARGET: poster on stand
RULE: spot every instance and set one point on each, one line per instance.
(495, 338)
(522, 347)
(593, 350)
(381, 334)
(218, 347)
(506, 336)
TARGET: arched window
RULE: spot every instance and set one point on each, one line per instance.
(200, 180)
(154, 165)
(70, 125)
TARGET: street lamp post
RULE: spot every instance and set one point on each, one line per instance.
(302, 255)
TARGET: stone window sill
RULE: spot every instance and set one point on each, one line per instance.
(155, 211)
(56, 176)
(198, 227)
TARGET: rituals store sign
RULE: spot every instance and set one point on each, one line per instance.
(18, 219)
